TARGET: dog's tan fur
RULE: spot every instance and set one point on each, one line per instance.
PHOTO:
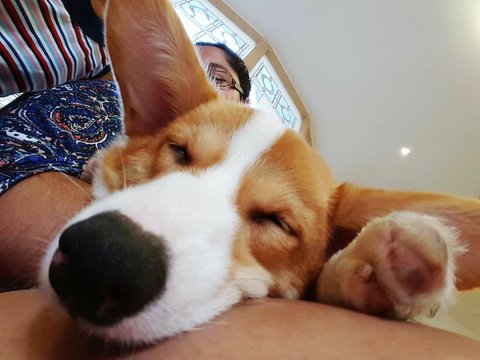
(355, 206)
(168, 99)
(171, 100)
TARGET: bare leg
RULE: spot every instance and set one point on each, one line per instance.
(272, 329)
(31, 213)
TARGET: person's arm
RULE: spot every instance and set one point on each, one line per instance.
(271, 329)
(32, 212)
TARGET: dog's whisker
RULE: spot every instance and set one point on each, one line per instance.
(36, 238)
(89, 335)
(218, 322)
(75, 184)
(124, 171)
(111, 349)
(249, 278)
(34, 250)
(26, 279)
(130, 351)
(28, 248)
(211, 324)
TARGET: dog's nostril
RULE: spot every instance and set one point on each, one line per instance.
(59, 258)
(108, 268)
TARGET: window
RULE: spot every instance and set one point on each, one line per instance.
(204, 22)
(270, 93)
(213, 21)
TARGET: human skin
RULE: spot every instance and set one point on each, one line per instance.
(31, 213)
(270, 329)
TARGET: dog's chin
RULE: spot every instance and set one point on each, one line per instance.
(161, 319)
(157, 322)
(167, 278)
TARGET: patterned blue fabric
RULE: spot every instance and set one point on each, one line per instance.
(58, 129)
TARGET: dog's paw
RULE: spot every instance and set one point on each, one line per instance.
(401, 265)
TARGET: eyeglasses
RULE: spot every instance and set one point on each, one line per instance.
(223, 79)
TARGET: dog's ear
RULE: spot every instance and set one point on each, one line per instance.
(353, 207)
(155, 64)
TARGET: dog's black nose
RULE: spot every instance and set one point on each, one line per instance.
(107, 268)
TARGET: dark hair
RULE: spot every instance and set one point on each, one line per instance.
(237, 65)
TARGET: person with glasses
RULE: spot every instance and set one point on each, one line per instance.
(227, 69)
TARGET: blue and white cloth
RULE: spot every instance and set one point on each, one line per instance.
(58, 129)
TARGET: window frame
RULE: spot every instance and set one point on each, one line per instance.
(262, 49)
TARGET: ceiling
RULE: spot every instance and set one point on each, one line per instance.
(379, 75)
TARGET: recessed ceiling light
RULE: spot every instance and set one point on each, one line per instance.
(404, 151)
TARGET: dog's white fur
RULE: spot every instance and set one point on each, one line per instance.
(214, 260)
(199, 285)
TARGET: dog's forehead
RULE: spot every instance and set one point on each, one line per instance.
(251, 140)
(237, 133)
(238, 127)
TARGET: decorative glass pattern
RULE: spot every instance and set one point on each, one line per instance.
(204, 22)
(269, 91)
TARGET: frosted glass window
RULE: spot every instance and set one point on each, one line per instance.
(204, 22)
(270, 95)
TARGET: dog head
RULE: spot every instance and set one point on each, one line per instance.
(205, 203)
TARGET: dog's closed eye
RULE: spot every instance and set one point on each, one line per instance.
(180, 154)
(265, 218)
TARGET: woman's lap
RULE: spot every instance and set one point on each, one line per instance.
(271, 329)
(45, 140)
(57, 130)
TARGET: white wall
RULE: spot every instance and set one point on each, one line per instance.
(376, 75)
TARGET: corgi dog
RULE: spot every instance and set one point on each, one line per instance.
(207, 202)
